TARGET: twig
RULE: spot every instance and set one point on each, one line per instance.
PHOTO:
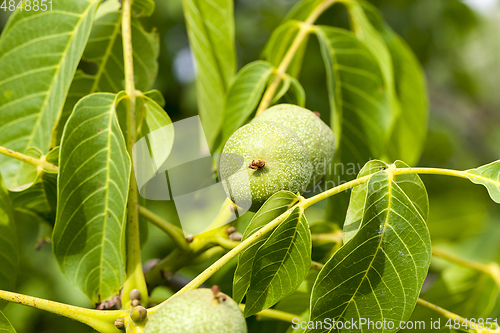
(491, 269)
(451, 315)
(101, 321)
(197, 281)
(135, 276)
(304, 30)
(175, 233)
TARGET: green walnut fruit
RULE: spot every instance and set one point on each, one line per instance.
(316, 135)
(198, 311)
(260, 159)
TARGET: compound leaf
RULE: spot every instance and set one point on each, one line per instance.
(280, 264)
(276, 205)
(38, 60)
(94, 172)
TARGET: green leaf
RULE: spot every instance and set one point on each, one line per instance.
(276, 205)
(210, 27)
(5, 325)
(379, 272)
(40, 198)
(104, 50)
(280, 42)
(410, 130)
(298, 91)
(372, 39)
(143, 7)
(9, 252)
(403, 78)
(38, 60)
(243, 95)
(361, 117)
(94, 172)
(411, 184)
(280, 264)
(302, 9)
(160, 141)
(489, 176)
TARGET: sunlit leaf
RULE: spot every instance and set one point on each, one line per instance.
(276, 205)
(379, 272)
(280, 264)
(5, 325)
(104, 50)
(9, 253)
(489, 176)
(243, 95)
(411, 184)
(38, 60)
(94, 170)
(211, 36)
(360, 109)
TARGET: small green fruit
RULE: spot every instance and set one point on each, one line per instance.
(260, 159)
(316, 135)
(198, 311)
(138, 314)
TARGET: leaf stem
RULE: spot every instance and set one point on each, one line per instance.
(304, 30)
(430, 171)
(226, 243)
(395, 171)
(334, 237)
(274, 314)
(491, 269)
(135, 275)
(207, 273)
(101, 321)
(38, 163)
(317, 198)
(453, 316)
(175, 233)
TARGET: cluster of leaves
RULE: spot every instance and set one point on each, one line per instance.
(65, 106)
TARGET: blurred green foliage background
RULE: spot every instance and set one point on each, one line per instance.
(458, 45)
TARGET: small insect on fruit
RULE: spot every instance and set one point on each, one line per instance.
(314, 133)
(262, 158)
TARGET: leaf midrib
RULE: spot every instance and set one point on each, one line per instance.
(287, 254)
(106, 55)
(106, 194)
(386, 223)
(479, 177)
